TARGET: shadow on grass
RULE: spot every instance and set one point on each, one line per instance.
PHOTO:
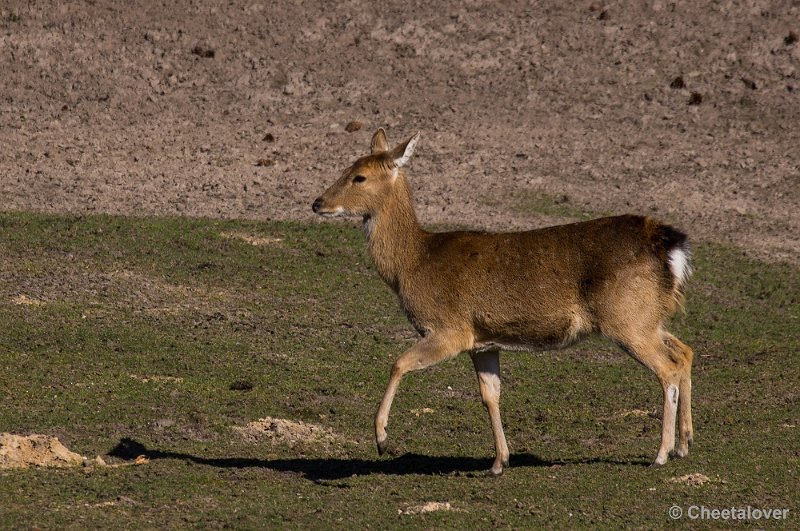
(323, 468)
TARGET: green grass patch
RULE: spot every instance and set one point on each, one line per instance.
(156, 337)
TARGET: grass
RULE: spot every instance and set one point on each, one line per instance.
(134, 330)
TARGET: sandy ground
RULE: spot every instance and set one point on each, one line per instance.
(286, 431)
(19, 451)
(143, 108)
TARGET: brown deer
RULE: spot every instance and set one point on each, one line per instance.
(480, 292)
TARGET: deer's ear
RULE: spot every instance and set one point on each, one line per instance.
(379, 143)
(402, 153)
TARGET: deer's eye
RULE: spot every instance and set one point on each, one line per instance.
(359, 179)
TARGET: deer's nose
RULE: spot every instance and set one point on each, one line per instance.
(317, 204)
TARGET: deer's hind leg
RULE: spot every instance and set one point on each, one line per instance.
(634, 319)
(685, 428)
(669, 366)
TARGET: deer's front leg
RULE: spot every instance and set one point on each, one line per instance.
(487, 367)
(429, 351)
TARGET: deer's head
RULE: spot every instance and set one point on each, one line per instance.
(366, 185)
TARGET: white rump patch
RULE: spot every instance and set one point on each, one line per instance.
(678, 259)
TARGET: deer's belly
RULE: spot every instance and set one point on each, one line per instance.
(533, 334)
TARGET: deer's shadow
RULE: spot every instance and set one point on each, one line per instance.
(324, 468)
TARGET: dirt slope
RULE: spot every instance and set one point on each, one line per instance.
(165, 108)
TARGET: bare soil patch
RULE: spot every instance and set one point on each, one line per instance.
(24, 300)
(154, 109)
(428, 507)
(22, 451)
(287, 431)
(257, 241)
(695, 480)
(156, 378)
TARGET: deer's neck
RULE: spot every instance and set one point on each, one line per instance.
(396, 240)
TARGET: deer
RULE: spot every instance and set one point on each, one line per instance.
(481, 292)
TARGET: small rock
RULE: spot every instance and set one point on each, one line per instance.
(203, 52)
(696, 98)
(353, 127)
(264, 162)
(677, 83)
(749, 83)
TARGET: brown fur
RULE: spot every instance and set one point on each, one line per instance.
(546, 288)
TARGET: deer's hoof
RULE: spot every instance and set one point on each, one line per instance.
(680, 452)
(495, 472)
(382, 446)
